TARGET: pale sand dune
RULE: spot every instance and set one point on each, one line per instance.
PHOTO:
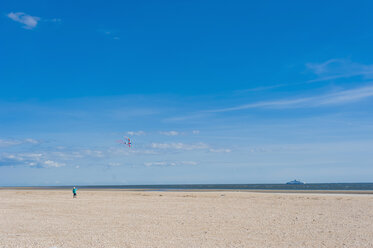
(50, 218)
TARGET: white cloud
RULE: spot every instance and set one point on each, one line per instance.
(13, 142)
(328, 70)
(29, 22)
(8, 142)
(340, 97)
(159, 164)
(339, 68)
(94, 153)
(31, 141)
(170, 133)
(347, 96)
(188, 163)
(125, 151)
(265, 104)
(180, 146)
(50, 163)
(220, 150)
(322, 68)
(195, 131)
(68, 155)
(28, 159)
(30, 155)
(168, 163)
(136, 133)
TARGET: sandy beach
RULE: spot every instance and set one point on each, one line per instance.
(51, 218)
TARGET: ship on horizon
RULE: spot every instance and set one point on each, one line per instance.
(295, 182)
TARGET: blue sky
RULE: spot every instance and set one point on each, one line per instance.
(209, 92)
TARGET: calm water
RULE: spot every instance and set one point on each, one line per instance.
(311, 186)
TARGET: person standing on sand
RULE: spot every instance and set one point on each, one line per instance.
(74, 192)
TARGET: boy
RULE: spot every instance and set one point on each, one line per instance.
(74, 192)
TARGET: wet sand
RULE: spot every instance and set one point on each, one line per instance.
(51, 218)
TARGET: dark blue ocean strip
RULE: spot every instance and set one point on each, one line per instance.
(309, 186)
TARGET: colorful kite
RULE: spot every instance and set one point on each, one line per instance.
(125, 141)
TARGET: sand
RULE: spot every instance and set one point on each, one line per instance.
(51, 218)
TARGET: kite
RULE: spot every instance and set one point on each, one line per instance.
(125, 141)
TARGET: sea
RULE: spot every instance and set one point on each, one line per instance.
(236, 187)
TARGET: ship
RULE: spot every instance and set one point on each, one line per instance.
(295, 182)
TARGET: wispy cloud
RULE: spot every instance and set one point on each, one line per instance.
(180, 146)
(222, 150)
(29, 160)
(187, 117)
(346, 96)
(49, 156)
(263, 88)
(136, 133)
(168, 163)
(325, 71)
(127, 152)
(31, 141)
(113, 34)
(93, 153)
(28, 21)
(169, 133)
(114, 164)
(340, 97)
(13, 142)
(339, 68)
(8, 143)
(50, 163)
(160, 163)
(55, 20)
